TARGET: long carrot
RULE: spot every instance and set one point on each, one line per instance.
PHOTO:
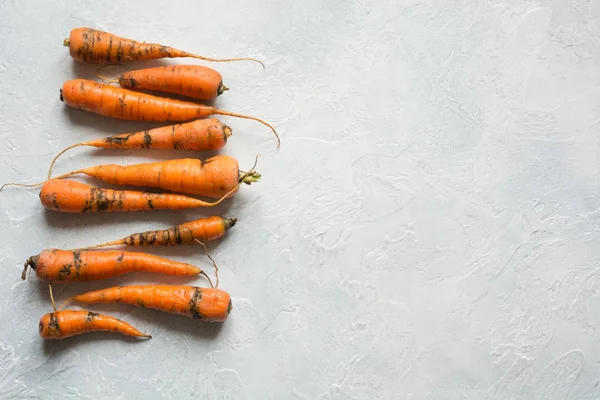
(194, 81)
(66, 266)
(202, 229)
(116, 102)
(67, 323)
(198, 135)
(210, 305)
(98, 47)
(65, 195)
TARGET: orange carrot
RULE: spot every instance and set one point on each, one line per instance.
(65, 266)
(69, 196)
(67, 323)
(210, 305)
(194, 81)
(198, 135)
(98, 47)
(202, 229)
(116, 102)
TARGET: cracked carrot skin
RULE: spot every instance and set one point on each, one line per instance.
(65, 195)
(67, 323)
(206, 304)
(66, 266)
(194, 81)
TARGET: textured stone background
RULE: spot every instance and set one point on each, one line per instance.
(428, 229)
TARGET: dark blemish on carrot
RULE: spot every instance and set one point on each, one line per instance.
(109, 48)
(119, 51)
(147, 140)
(122, 102)
(140, 303)
(177, 234)
(53, 326)
(64, 271)
(150, 203)
(120, 258)
(82, 87)
(77, 262)
(197, 296)
(177, 145)
(90, 316)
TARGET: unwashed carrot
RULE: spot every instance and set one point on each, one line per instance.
(98, 47)
(206, 304)
(66, 266)
(65, 195)
(198, 135)
(116, 102)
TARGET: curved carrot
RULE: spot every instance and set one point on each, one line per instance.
(67, 323)
(210, 305)
(65, 195)
(194, 81)
(198, 135)
(202, 229)
(65, 266)
(116, 102)
(98, 47)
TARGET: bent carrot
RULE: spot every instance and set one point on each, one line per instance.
(198, 135)
(65, 266)
(98, 47)
(210, 305)
(202, 229)
(116, 102)
(65, 195)
(194, 81)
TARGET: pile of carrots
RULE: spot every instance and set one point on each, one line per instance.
(177, 183)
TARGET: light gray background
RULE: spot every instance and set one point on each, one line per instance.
(428, 229)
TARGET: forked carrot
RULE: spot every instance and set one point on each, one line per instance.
(198, 135)
(66, 266)
(116, 102)
(62, 324)
(98, 47)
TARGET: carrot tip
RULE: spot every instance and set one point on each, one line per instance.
(31, 262)
(66, 42)
(227, 131)
(230, 223)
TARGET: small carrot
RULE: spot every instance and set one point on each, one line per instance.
(198, 135)
(210, 305)
(65, 195)
(194, 81)
(202, 229)
(98, 47)
(116, 102)
(62, 324)
(65, 266)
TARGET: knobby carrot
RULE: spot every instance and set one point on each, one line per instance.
(210, 305)
(65, 266)
(65, 195)
(198, 135)
(202, 229)
(98, 47)
(194, 81)
(116, 102)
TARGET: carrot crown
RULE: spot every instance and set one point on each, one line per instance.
(32, 263)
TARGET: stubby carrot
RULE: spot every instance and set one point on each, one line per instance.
(210, 305)
(65, 195)
(198, 135)
(194, 81)
(203, 229)
(98, 47)
(67, 323)
(66, 266)
(116, 102)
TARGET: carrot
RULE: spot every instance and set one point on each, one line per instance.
(210, 305)
(202, 229)
(64, 266)
(116, 102)
(98, 47)
(194, 81)
(70, 196)
(198, 135)
(66, 323)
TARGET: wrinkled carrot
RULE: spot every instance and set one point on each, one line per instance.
(65, 195)
(66, 266)
(202, 229)
(194, 81)
(206, 304)
(98, 47)
(67, 323)
(198, 135)
(116, 102)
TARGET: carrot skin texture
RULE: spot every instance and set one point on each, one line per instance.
(194, 81)
(206, 304)
(67, 323)
(63, 266)
(68, 196)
